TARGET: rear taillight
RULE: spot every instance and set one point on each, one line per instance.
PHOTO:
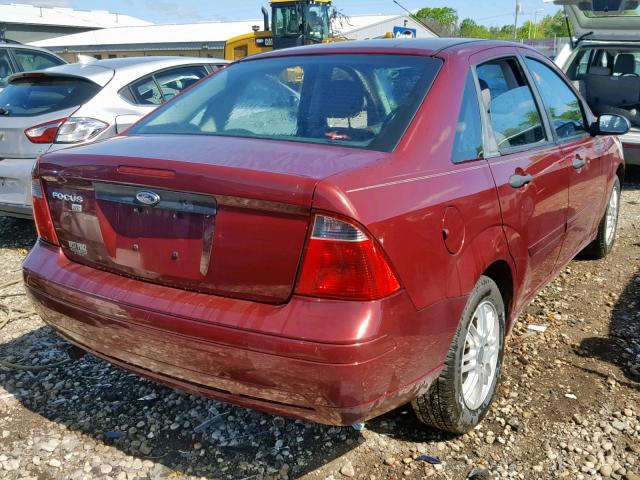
(342, 262)
(41, 213)
(79, 129)
(45, 132)
(66, 130)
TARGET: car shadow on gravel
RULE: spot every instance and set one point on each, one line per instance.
(632, 178)
(180, 433)
(17, 233)
(621, 346)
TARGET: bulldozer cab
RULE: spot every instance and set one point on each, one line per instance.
(293, 23)
(300, 22)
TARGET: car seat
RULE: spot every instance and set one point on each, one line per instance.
(616, 92)
(347, 100)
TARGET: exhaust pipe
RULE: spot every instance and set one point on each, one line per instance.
(265, 14)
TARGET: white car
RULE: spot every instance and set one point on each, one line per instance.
(604, 60)
(68, 105)
(16, 57)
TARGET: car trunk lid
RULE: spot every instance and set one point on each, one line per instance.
(217, 215)
(608, 20)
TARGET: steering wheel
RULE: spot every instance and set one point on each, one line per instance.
(630, 75)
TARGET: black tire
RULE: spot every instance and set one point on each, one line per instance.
(443, 406)
(602, 246)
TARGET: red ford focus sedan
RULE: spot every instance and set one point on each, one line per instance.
(332, 231)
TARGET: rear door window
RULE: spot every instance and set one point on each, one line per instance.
(157, 88)
(468, 142)
(27, 97)
(146, 92)
(508, 99)
(562, 104)
(29, 60)
(172, 82)
(6, 70)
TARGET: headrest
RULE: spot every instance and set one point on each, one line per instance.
(604, 71)
(347, 98)
(625, 63)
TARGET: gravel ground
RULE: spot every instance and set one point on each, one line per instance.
(568, 406)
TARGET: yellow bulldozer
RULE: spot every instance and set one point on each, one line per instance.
(293, 23)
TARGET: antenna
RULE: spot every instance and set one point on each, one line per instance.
(412, 15)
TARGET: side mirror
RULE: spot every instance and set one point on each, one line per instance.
(609, 124)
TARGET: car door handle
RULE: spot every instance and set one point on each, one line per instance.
(578, 163)
(519, 181)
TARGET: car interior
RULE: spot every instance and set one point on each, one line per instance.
(609, 78)
(354, 104)
(5, 68)
(509, 104)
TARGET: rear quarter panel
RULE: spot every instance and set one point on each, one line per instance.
(403, 200)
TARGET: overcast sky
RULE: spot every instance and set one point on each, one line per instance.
(491, 12)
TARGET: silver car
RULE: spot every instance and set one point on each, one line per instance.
(73, 104)
(604, 60)
(16, 57)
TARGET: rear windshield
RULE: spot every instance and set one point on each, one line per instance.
(27, 97)
(361, 101)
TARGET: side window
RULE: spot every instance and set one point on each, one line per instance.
(467, 144)
(508, 100)
(146, 92)
(5, 66)
(563, 105)
(33, 60)
(212, 67)
(173, 81)
(583, 64)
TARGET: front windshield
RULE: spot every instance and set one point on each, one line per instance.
(364, 101)
(317, 26)
(287, 20)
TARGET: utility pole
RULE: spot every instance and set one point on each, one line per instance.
(535, 22)
(515, 23)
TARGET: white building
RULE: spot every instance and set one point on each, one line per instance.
(29, 23)
(363, 27)
(206, 39)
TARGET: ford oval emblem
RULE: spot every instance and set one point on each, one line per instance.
(147, 197)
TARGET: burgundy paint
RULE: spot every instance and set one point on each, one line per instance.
(243, 335)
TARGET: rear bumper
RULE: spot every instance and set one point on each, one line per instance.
(16, 211)
(631, 144)
(327, 361)
(15, 187)
(632, 154)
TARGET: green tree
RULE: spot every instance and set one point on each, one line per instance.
(446, 17)
(470, 29)
(553, 26)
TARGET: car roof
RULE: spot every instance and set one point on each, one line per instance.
(102, 71)
(403, 46)
(160, 61)
(8, 43)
